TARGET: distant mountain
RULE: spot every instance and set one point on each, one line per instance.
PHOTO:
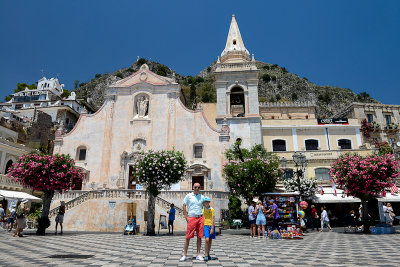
(276, 84)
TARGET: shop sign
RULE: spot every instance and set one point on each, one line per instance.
(333, 121)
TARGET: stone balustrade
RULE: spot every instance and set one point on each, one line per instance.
(9, 183)
(182, 194)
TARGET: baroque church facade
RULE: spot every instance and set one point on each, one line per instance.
(144, 112)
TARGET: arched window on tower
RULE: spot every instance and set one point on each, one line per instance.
(237, 102)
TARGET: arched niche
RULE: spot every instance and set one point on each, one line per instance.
(141, 106)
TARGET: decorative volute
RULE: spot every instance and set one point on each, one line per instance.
(235, 51)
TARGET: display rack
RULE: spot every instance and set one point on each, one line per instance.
(288, 207)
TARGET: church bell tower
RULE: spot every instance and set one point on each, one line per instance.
(236, 81)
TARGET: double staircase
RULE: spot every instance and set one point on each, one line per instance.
(82, 196)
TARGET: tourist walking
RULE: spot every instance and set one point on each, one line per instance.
(60, 217)
(171, 218)
(11, 219)
(314, 218)
(391, 213)
(2, 215)
(252, 218)
(324, 219)
(21, 215)
(261, 221)
(273, 208)
(193, 211)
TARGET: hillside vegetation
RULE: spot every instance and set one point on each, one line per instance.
(276, 84)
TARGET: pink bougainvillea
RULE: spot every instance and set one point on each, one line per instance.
(46, 172)
(364, 177)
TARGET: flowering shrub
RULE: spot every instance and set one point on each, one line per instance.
(307, 186)
(158, 170)
(366, 128)
(364, 177)
(256, 174)
(46, 172)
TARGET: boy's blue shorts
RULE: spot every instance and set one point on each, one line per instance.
(207, 230)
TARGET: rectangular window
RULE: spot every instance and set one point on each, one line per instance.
(311, 144)
(82, 154)
(388, 119)
(322, 174)
(198, 151)
(392, 141)
(370, 118)
(344, 143)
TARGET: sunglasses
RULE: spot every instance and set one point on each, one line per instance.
(197, 187)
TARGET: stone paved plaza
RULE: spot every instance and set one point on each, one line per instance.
(231, 248)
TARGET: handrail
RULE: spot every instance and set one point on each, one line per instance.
(83, 196)
(164, 204)
(100, 194)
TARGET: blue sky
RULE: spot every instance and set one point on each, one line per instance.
(350, 44)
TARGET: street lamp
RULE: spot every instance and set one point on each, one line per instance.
(300, 160)
(283, 162)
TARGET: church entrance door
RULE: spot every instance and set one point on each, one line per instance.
(198, 179)
(132, 179)
(131, 211)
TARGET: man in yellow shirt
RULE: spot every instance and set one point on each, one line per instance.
(209, 227)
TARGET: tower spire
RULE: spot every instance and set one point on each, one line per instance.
(234, 51)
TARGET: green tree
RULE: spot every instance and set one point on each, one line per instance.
(266, 78)
(65, 93)
(192, 96)
(76, 84)
(141, 61)
(7, 98)
(206, 93)
(22, 86)
(235, 207)
(251, 172)
(158, 170)
(97, 75)
(162, 70)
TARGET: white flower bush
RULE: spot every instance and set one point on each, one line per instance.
(307, 186)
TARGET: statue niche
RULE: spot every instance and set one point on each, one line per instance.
(142, 106)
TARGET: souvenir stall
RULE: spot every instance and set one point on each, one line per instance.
(289, 214)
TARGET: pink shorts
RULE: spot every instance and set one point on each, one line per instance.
(195, 224)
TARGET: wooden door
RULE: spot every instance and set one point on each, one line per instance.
(132, 179)
(131, 211)
(198, 179)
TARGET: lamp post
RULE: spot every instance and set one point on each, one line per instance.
(300, 161)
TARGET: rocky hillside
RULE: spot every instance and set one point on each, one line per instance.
(276, 84)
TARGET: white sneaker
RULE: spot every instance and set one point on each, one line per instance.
(184, 258)
(199, 258)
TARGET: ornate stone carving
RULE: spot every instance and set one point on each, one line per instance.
(138, 145)
(142, 104)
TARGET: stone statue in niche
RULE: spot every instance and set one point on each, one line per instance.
(142, 105)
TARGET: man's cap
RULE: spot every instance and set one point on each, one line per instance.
(207, 199)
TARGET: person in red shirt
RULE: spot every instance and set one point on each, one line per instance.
(314, 218)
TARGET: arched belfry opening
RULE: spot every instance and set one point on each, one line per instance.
(237, 102)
